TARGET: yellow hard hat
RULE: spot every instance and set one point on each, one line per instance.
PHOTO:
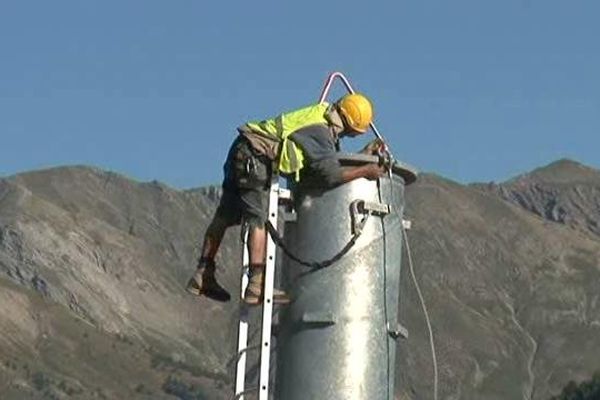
(357, 110)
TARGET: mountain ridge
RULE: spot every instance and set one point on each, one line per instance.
(510, 288)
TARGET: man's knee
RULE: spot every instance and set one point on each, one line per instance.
(254, 222)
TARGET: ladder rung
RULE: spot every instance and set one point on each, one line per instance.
(247, 391)
(247, 349)
(284, 194)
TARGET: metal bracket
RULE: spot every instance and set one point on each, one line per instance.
(289, 216)
(399, 332)
(376, 208)
(366, 208)
(318, 318)
(284, 195)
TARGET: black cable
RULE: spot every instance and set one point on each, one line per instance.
(314, 264)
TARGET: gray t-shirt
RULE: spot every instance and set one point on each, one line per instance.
(320, 149)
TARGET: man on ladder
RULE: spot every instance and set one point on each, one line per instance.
(297, 143)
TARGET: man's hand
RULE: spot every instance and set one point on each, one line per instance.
(369, 171)
(373, 148)
(374, 171)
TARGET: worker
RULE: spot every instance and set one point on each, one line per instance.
(297, 144)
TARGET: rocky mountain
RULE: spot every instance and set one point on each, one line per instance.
(92, 268)
(564, 191)
(514, 292)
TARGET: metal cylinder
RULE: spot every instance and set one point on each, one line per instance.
(338, 338)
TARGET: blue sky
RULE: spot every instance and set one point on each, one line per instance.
(471, 90)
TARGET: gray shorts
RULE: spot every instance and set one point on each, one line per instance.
(245, 186)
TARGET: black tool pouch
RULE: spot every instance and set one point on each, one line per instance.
(251, 170)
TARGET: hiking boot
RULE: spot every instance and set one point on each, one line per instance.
(205, 283)
(253, 295)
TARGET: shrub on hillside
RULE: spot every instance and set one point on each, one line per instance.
(179, 389)
(586, 390)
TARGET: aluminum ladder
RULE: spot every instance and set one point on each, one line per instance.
(275, 195)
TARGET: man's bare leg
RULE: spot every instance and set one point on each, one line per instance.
(211, 244)
(257, 245)
(257, 249)
(204, 281)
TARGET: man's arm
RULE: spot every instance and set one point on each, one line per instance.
(369, 171)
(320, 152)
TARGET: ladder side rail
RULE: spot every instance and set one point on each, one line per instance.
(267, 317)
(240, 375)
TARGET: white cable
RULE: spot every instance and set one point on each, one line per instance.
(431, 342)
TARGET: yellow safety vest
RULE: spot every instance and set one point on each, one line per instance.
(291, 157)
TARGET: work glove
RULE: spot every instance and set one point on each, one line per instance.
(373, 147)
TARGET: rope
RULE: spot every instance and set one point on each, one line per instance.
(431, 342)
